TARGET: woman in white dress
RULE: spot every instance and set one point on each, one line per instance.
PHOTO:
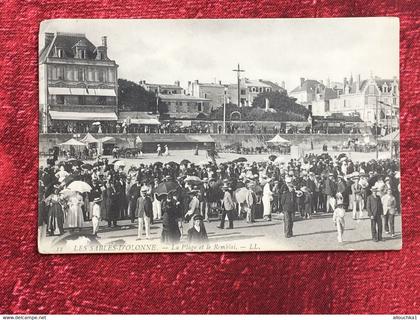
(266, 200)
(75, 214)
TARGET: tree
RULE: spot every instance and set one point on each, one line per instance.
(281, 103)
(133, 97)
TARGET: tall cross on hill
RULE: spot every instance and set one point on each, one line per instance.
(238, 71)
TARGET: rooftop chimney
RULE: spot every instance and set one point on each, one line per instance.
(302, 80)
(177, 83)
(220, 82)
(283, 85)
(358, 82)
(49, 37)
(196, 81)
(104, 41)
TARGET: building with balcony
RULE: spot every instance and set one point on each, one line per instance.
(213, 91)
(161, 88)
(250, 89)
(182, 106)
(368, 99)
(78, 84)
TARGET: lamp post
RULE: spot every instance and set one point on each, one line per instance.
(224, 110)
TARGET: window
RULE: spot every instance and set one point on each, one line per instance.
(101, 100)
(243, 91)
(200, 106)
(82, 53)
(394, 101)
(81, 100)
(59, 99)
(101, 76)
(80, 75)
(60, 53)
(60, 73)
(344, 103)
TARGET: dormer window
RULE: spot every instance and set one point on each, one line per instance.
(60, 53)
(81, 53)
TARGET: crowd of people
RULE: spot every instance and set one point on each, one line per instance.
(187, 196)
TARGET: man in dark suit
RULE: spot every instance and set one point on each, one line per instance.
(144, 211)
(288, 203)
(375, 212)
(133, 195)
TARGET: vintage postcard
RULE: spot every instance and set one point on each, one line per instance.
(219, 135)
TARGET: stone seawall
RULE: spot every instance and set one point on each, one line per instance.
(222, 141)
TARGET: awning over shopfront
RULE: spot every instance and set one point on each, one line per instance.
(105, 92)
(58, 91)
(86, 116)
(81, 92)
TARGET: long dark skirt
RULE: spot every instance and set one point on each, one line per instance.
(170, 233)
(55, 219)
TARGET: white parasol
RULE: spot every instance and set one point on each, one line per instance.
(79, 186)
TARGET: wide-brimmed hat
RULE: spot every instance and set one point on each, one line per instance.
(97, 199)
(144, 189)
(339, 203)
(288, 180)
(198, 217)
(299, 193)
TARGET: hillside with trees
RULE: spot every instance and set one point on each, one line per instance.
(282, 108)
(133, 97)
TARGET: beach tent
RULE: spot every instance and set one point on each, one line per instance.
(89, 139)
(72, 142)
(278, 141)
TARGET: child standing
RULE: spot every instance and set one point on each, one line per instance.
(96, 215)
(338, 218)
(307, 195)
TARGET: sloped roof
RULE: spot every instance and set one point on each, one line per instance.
(273, 85)
(330, 94)
(308, 85)
(67, 42)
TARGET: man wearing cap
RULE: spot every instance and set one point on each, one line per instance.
(375, 212)
(228, 208)
(288, 203)
(144, 211)
(133, 195)
(330, 191)
(356, 190)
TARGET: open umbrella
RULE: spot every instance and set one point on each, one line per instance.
(166, 188)
(173, 164)
(97, 123)
(241, 159)
(87, 166)
(272, 157)
(119, 163)
(184, 162)
(193, 180)
(75, 162)
(79, 186)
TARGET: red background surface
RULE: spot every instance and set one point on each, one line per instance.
(324, 282)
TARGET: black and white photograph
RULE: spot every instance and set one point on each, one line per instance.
(208, 135)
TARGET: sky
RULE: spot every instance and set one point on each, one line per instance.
(163, 51)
